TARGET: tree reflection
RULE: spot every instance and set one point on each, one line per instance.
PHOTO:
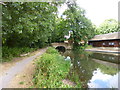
(83, 67)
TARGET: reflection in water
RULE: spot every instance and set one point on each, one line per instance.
(87, 72)
(106, 57)
(102, 80)
(67, 58)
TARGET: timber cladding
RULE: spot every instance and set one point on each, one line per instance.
(106, 40)
(105, 43)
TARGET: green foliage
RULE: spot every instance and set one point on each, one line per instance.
(9, 53)
(77, 22)
(60, 30)
(108, 26)
(51, 50)
(108, 69)
(28, 23)
(21, 83)
(51, 70)
(33, 24)
(88, 46)
(0, 54)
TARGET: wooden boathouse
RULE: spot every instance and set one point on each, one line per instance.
(106, 40)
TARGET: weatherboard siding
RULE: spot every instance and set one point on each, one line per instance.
(106, 40)
(105, 43)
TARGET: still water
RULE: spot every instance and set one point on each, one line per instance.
(93, 70)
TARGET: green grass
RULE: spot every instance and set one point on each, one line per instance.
(21, 82)
(89, 46)
(9, 53)
(0, 54)
(51, 70)
(51, 50)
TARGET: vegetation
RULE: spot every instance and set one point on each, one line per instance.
(76, 22)
(108, 69)
(89, 46)
(27, 23)
(51, 70)
(0, 54)
(108, 26)
(8, 53)
(35, 25)
(21, 82)
(26, 27)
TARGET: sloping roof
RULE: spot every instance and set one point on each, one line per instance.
(109, 36)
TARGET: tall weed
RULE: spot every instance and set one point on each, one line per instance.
(9, 53)
(51, 70)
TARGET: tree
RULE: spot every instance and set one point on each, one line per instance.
(108, 26)
(60, 30)
(76, 21)
(28, 23)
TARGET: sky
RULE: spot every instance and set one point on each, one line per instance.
(102, 80)
(98, 10)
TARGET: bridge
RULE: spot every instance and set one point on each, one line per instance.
(66, 45)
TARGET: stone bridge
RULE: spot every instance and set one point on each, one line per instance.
(66, 45)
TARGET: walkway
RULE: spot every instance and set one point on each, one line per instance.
(7, 80)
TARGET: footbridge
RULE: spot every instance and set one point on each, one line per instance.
(66, 45)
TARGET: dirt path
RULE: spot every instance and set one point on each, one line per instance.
(18, 73)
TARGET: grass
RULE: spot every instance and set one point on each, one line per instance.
(9, 53)
(51, 70)
(89, 46)
(21, 82)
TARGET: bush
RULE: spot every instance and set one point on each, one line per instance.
(51, 50)
(9, 53)
(0, 54)
(51, 70)
(89, 46)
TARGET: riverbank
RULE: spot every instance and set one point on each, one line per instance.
(51, 71)
(104, 49)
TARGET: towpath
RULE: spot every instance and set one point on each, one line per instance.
(18, 73)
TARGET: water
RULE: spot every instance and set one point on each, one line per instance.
(93, 70)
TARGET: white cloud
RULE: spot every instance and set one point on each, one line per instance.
(101, 80)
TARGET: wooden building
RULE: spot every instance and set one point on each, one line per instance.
(106, 40)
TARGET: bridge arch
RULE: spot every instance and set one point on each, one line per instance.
(66, 45)
(61, 48)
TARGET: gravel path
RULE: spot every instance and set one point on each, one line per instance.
(20, 74)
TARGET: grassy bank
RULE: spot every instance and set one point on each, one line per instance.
(51, 70)
(9, 53)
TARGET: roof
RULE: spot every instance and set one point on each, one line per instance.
(109, 36)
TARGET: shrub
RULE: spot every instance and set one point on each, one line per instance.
(51, 70)
(51, 50)
(89, 46)
(9, 53)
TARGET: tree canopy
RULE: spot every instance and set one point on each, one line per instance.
(76, 21)
(38, 24)
(26, 23)
(108, 26)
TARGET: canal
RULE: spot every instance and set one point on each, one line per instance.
(93, 69)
